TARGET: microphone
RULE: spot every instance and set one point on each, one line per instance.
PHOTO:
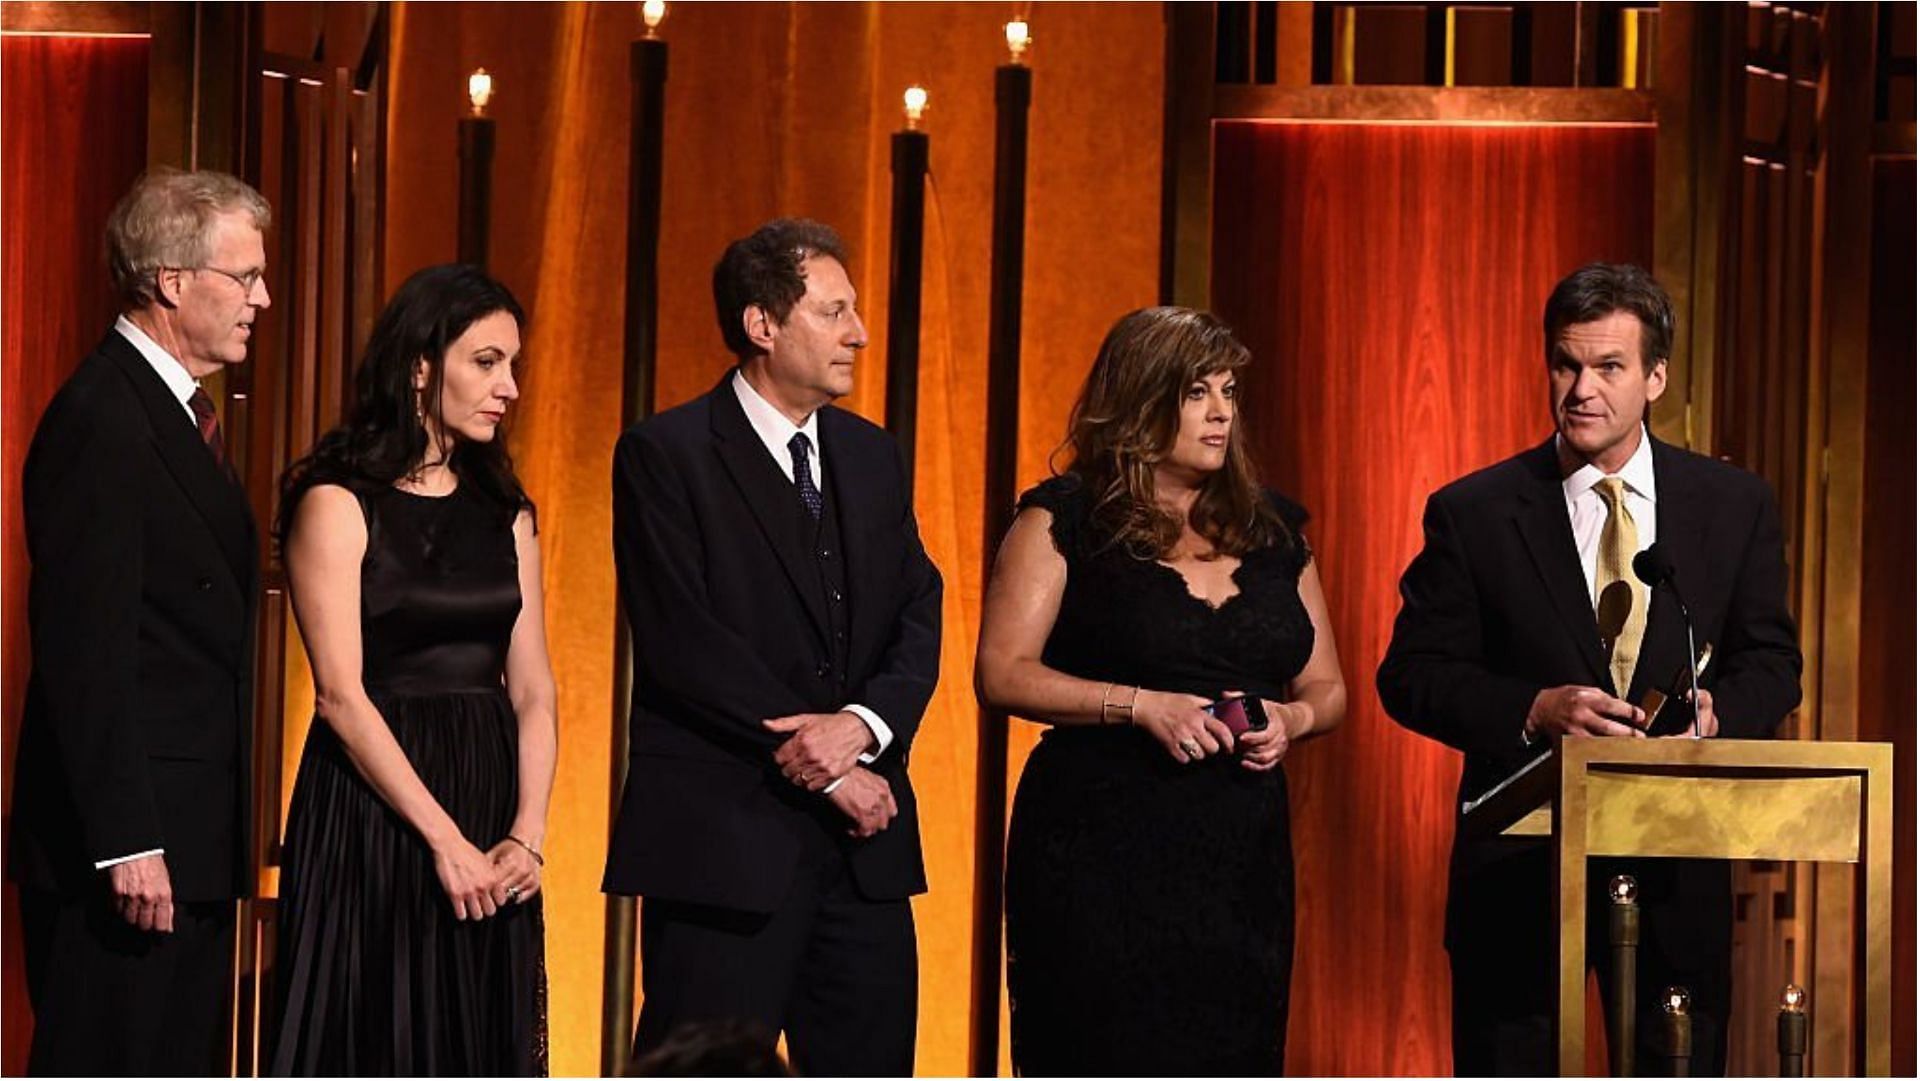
(1655, 567)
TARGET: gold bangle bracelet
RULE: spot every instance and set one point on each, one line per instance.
(538, 859)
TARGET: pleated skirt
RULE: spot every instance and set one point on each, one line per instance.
(376, 977)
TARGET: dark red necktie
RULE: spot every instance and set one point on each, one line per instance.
(209, 422)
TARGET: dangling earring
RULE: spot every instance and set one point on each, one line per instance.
(419, 412)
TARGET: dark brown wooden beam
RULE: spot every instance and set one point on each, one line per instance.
(1186, 181)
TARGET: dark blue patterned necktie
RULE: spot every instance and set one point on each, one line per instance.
(803, 473)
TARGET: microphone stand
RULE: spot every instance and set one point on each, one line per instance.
(1693, 667)
(1693, 655)
(1653, 568)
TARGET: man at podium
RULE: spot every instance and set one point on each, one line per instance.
(1522, 620)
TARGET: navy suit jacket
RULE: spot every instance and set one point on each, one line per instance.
(729, 628)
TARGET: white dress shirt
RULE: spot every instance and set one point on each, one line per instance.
(776, 432)
(1588, 512)
(182, 385)
(171, 371)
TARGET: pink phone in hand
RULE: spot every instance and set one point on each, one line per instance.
(1241, 715)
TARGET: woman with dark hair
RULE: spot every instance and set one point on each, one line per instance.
(410, 926)
(1137, 596)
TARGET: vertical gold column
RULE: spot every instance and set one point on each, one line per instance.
(1570, 908)
(1877, 853)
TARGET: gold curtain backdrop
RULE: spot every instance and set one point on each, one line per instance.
(776, 109)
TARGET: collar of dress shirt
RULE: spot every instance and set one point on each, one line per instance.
(775, 430)
(1638, 473)
(171, 372)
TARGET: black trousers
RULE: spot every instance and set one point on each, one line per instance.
(1506, 969)
(110, 999)
(834, 971)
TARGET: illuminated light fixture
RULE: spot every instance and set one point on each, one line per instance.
(1624, 890)
(1018, 40)
(653, 13)
(915, 100)
(480, 90)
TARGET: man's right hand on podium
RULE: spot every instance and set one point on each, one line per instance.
(1583, 711)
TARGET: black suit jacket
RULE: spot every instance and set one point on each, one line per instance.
(728, 629)
(136, 732)
(1495, 608)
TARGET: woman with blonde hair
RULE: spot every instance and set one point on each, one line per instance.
(1162, 613)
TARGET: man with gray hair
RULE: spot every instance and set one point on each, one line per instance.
(130, 785)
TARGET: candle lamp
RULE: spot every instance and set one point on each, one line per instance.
(1019, 40)
(1675, 1004)
(907, 243)
(476, 170)
(647, 86)
(1012, 94)
(1792, 1028)
(1623, 938)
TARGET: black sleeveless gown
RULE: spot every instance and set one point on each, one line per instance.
(1149, 903)
(376, 975)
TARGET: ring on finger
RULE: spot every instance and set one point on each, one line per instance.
(1190, 748)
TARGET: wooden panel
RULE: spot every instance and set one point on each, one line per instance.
(1451, 104)
(1775, 818)
(74, 137)
(1389, 281)
(112, 17)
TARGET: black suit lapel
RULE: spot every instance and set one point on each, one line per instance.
(210, 489)
(1682, 512)
(855, 492)
(769, 495)
(1548, 535)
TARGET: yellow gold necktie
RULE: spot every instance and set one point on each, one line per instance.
(1619, 540)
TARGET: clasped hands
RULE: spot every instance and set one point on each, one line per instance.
(1182, 725)
(1588, 711)
(824, 747)
(481, 883)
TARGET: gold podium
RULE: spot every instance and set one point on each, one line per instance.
(1714, 799)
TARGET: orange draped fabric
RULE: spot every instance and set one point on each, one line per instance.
(1389, 280)
(75, 137)
(777, 109)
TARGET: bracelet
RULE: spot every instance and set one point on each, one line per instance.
(1126, 709)
(538, 859)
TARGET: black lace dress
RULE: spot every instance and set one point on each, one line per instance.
(376, 975)
(1149, 903)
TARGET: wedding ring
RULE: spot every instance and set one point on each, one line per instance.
(1191, 748)
(513, 893)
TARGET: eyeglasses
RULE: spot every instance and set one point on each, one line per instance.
(245, 281)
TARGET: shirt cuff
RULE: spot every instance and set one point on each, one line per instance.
(882, 735)
(828, 791)
(104, 864)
